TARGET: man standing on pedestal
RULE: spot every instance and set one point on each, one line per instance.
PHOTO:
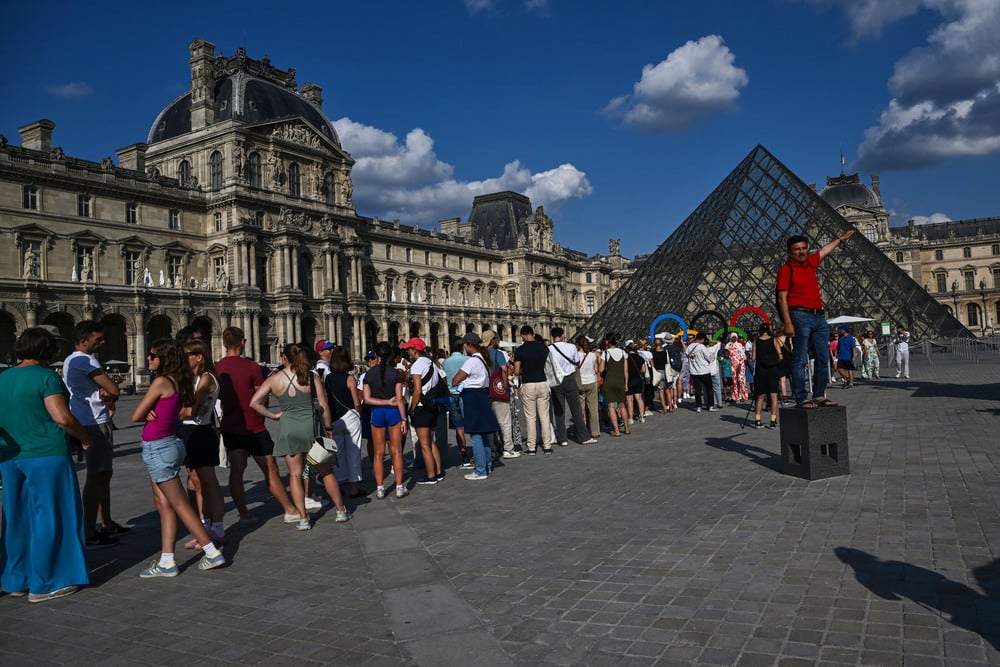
(902, 343)
(801, 309)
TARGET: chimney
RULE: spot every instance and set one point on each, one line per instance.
(133, 157)
(312, 93)
(877, 187)
(202, 84)
(38, 135)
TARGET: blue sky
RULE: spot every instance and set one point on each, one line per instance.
(618, 117)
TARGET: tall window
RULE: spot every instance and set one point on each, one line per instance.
(590, 277)
(184, 172)
(996, 280)
(461, 263)
(870, 233)
(131, 213)
(30, 197)
(329, 194)
(85, 264)
(174, 265)
(258, 219)
(427, 257)
(899, 258)
(942, 282)
(253, 170)
(132, 276)
(83, 206)
(972, 314)
(388, 251)
(590, 304)
(938, 255)
(995, 249)
(294, 184)
(970, 280)
(967, 252)
(261, 272)
(218, 221)
(510, 268)
(444, 260)
(215, 168)
(174, 219)
(475, 265)
(409, 255)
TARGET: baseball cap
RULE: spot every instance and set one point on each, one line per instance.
(416, 343)
(844, 327)
(324, 344)
(472, 338)
(488, 336)
(370, 355)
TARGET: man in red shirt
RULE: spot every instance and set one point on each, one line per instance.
(243, 430)
(801, 308)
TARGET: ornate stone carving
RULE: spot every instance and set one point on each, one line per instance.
(107, 164)
(298, 134)
(294, 219)
(29, 263)
(262, 69)
(57, 154)
(615, 247)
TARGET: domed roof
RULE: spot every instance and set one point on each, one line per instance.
(245, 98)
(849, 190)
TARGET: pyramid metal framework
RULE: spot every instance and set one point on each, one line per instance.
(725, 255)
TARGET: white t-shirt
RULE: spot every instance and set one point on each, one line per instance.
(205, 418)
(84, 394)
(588, 368)
(420, 368)
(566, 363)
(475, 368)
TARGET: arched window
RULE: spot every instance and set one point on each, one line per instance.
(215, 164)
(293, 180)
(184, 172)
(972, 313)
(870, 233)
(306, 275)
(328, 189)
(938, 255)
(899, 258)
(253, 170)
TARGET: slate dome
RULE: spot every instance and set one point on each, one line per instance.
(849, 190)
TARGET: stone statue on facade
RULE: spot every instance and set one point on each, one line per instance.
(87, 269)
(136, 271)
(347, 189)
(163, 279)
(205, 284)
(615, 247)
(107, 164)
(221, 279)
(29, 263)
(147, 277)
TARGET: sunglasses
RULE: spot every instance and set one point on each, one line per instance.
(152, 356)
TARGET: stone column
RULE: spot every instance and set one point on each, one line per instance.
(255, 339)
(356, 337)
(335, 277)
(295, 267)
(252, 260)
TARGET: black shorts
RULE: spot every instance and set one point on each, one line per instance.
(767, 381)
(202, 445)
(846, 365)
(258, 444)
(424, 417)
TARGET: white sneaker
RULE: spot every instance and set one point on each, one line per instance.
(564, 444)
(647, 413)
(380, 492)
(473, 477)
(512, 455)
(591, 441)
(313, 505)
(631, 421)
(402, 492)
(292, 518)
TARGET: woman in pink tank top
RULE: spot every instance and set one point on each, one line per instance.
(163, 454)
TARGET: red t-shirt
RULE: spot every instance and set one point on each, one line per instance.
(239, 378)
(804, 290)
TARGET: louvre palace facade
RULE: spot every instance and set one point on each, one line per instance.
(237, 210)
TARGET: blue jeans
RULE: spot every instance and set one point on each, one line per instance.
(811, 331)
(482, 454)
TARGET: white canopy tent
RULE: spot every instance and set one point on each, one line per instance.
(848, 319)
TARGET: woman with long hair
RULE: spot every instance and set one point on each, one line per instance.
(383, 391)
(591, 366)
(423, 412)
(767, 359)
(635, 406)
(784, 343)
(201, 442)
(474, 380)
(163, 454)
(344, 400)
(42, 549)
(870, 366)
(294, 386)
(615, 382)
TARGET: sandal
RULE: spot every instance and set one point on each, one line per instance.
(825, 403)
(808, 404)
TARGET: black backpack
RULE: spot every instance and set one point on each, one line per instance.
(676, 361)
(439, 390)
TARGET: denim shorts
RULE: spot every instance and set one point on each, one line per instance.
(456, 415)
(385, 416)
(163, 458)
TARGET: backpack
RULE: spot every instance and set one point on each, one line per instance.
(498, 388)
(439, 390)
(676, 361)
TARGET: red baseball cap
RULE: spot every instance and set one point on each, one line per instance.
(324, 344)
(416, 343)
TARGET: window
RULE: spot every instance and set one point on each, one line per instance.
(261, 272)
(938, 255)
(32, 267)
(294, 185)
(215, 169)
(175, 219)
(590, 277)
(475, 265)
(995, 249)
(83, 206)
(388, 251)
(306, 275)
(131, 213)
(942, 282)
(184, 172)
(253, 170)
(489, 268)
(85, 263)
(461, 263)
(444, 260)
(258, 219)
(590, 304)
(409, 255)
(966, 252)
(899, 258)
(427, 257)
(218, 221)
(970, 280)
(30, 199)
(132, 268)
(174, 265)
(870, 233)
(510, 268)
(996, 281)
(329, 193)
(972, 314)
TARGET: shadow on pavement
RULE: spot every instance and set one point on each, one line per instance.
(758, 455)
(962, 606)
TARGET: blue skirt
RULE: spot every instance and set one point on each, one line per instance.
(478, 412)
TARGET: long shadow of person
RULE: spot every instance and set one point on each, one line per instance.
(758, 455)
(962, 606)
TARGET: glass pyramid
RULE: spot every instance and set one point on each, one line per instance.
(725, 255)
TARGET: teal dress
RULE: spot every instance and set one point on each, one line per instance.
(296, 434)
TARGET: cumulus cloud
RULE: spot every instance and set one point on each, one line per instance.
(694, 81)
(70, 90)
(945, 94)
(930, 219)
(404, 179)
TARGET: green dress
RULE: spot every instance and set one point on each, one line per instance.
(296, 434)
(614, 377)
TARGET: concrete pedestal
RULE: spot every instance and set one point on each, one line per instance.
(814, 442)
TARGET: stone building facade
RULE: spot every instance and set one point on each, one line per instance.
(957, 262)
(238, 210)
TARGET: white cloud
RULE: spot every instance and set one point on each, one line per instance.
(476, 6)
(70, 90)
(405, 179)
(945, 94)
(694, 81)
(930, 219)
(540, 7)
